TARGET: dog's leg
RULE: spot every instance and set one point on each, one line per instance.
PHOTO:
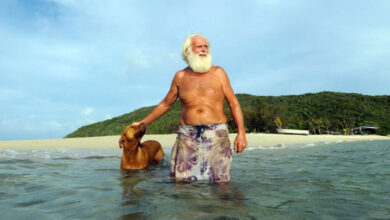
(159, 155)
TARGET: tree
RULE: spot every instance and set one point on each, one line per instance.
(278, 122)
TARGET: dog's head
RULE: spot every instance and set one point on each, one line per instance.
(132, 135)
(134, 131)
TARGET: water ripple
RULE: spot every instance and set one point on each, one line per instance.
(315, 181)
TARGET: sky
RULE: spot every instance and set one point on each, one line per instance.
(69, 63)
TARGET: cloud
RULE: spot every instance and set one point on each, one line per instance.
(28, 127)
(108, 117)
(74, 62)
(88, 111)
(8, 94)
(137, 57)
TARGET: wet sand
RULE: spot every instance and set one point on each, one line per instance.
(167, 140)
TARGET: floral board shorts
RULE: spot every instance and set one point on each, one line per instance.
(201, 152)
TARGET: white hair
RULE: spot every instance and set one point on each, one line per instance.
(187, 44)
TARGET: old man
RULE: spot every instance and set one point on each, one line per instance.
(202, 149)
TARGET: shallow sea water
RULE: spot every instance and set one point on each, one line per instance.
(348, 180)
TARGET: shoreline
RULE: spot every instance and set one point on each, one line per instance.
(167, 140)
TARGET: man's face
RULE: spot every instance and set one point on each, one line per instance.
(199, 57)
(199, 46)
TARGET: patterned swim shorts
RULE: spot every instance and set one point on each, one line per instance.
(201, 152)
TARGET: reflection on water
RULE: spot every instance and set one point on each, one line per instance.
(129, 180)
(326, 181)
(209, 200)
(192, 199)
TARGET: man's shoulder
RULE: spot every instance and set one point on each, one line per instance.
(219, 71)
(180, 74)
(218, 68)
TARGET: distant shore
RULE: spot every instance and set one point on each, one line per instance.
(167, 140)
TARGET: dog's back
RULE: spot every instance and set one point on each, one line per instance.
(154, 150)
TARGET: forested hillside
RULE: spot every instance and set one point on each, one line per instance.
(317, 112)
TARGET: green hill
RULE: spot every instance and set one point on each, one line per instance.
(317, 112)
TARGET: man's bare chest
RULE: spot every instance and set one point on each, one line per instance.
(195, 88)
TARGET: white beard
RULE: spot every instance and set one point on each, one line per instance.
(198, 63)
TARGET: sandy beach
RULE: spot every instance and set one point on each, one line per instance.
(167, 140)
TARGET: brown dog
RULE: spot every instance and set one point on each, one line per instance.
(138, 155)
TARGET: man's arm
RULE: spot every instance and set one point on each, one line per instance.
(165, 104)
(240, 142)
(161, 108)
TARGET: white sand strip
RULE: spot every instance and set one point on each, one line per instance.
(167, 140)
(275, 139)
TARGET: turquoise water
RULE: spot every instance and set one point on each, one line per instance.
(314, 181)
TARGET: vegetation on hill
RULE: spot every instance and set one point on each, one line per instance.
(320, 113)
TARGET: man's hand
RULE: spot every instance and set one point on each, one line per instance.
(136, 123)
(240, 143)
